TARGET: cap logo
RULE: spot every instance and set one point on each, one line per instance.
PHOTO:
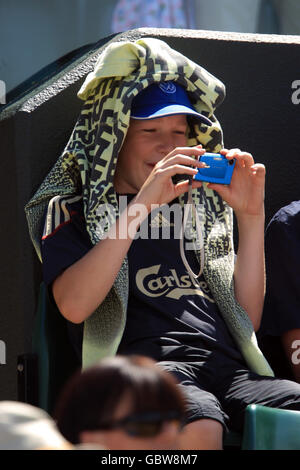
(168, 87)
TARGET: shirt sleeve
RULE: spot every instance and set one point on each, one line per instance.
(282, 303)
(65, 239)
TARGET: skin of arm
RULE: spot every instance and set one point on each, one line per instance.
(78, 290)
(249, 273)
(245, 195)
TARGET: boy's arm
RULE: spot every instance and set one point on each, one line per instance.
(245, 195)
(83, 286)
(249, 272)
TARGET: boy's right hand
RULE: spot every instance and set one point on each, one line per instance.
(159, 187)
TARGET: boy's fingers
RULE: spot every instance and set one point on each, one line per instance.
(196, 184)
(183, 186)
(181, 159)
(216, 187)
(244, 159)
(178, 169)
(259, 168)
(188, 151)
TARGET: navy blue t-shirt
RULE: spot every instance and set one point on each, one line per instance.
(168, 316)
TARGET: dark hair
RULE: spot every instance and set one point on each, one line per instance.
(91, 397)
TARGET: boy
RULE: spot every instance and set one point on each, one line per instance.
(171, 316)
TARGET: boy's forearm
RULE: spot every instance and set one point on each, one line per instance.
(249, 273)
(82, 287)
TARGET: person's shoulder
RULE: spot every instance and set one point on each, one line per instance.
(289, 214)
(65, 238)
(62, 210)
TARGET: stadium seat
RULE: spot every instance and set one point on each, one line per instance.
(56, 360)
(268, 428)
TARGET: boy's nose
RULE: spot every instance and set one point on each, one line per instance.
(166, 145)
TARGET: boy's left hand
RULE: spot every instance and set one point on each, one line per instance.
(245, 194)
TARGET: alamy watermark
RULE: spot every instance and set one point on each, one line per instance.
(295, 358)
(296, 94)
(2, 352)
(2, 92)
(166, 221)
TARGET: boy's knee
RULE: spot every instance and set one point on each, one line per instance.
(202, 434)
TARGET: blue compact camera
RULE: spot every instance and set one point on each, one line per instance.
(219, 170)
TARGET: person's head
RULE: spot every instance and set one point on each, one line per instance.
(122, 403)
(158, 124)
(26, 427)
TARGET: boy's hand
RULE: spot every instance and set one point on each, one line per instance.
(245, 194)
(159, 187)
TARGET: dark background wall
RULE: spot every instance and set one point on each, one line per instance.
(260, 114)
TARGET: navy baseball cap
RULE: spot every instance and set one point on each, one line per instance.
(164, 99)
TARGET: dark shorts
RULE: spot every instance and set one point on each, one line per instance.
(222, 391)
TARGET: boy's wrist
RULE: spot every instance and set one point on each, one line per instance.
(251, 218)
(138, 200)
(247, 223)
